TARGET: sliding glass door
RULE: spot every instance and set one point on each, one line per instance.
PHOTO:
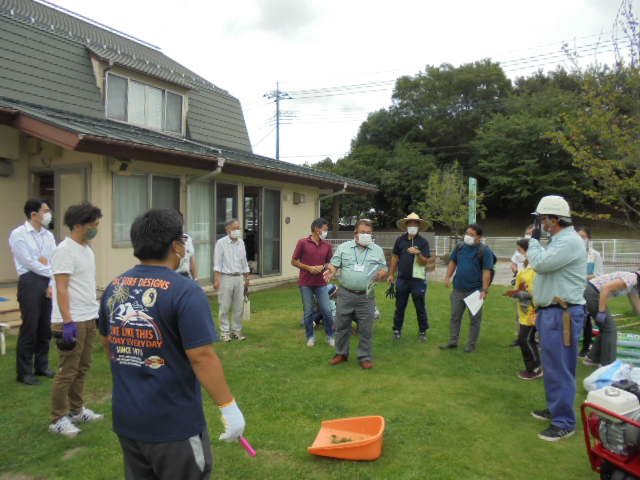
(200, 226)
(270, 232)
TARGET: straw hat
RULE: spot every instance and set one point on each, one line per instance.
(402, 224)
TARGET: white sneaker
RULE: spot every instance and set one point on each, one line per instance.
(311, 342)
(331, 341)
(86, 415)
(64, 427)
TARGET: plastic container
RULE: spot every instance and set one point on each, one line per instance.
(357, 438)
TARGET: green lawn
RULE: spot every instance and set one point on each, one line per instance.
(450, 415)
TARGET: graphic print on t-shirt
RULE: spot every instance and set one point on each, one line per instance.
(134, 335)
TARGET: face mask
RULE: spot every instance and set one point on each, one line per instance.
(412, 230)
(46, 219)
(469, 240)
(235, 233)
(91, 233)
(364, 239)
(527, 236)
(323, 235)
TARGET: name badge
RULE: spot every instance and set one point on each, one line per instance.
(358, 268)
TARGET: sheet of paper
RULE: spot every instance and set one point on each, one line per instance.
(474, 302)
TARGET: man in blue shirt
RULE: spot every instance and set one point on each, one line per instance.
(409, 258)
(559, 296)
(157, 331)
(472, 263)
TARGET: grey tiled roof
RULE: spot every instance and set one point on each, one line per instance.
(47, 62)
(109, 129)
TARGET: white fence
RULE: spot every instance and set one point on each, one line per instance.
(617, 253)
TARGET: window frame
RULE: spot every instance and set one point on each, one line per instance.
(149, 181)
(164, 105)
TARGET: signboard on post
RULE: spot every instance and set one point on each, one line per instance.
(473, 195)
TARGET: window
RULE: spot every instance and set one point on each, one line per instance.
(141, 104)
(226, 206)
(135, 194)
(199, 226)
(271, 232)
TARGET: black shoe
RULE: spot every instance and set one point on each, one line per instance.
(553, 434)
(396, 335)
(542, 414)
(449, 346)
(29, 380)
(422, 337)
(46, 373)
(583, 352)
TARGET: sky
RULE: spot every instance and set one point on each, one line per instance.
(348, 52)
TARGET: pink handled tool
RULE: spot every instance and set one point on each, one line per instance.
(247, 446)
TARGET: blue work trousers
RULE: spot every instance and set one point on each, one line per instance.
(322, 295)
(559, 362)
(417, 288)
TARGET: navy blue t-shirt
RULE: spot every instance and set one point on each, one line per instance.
(469, 269)
(406, 259)
(150, 316)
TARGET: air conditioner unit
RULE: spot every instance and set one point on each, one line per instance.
(298, 198)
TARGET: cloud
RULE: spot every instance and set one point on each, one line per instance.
(283, 18)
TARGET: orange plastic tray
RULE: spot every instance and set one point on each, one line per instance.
(364, 433)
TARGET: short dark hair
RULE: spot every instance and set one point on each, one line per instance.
(81, 214)
(562, 221)
(318, 223)
(363, 221)
(153, 232)
(586, 230)
(476, 228)
(33, 205)
(523, 243)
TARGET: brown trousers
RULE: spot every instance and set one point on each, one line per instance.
(73, 365)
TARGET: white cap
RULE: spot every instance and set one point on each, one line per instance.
(553, 205)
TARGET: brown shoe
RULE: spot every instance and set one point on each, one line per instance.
(366, 364)
(338, 359)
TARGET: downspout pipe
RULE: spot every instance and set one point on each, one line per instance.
(339, 192)
(212, 173)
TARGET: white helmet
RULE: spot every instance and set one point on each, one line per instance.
(553, 205)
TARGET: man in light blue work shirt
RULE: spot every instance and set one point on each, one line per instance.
(561, 280)
(361, 263)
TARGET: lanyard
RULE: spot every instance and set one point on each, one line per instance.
(355, 254)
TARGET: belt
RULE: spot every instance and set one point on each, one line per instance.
(355, 292)
(555, 305)
(232, 274)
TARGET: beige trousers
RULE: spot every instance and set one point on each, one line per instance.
(73, 365)
(231, 298)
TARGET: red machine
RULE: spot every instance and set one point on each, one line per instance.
(611, 423)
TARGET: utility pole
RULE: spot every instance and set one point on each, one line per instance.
(277, 95)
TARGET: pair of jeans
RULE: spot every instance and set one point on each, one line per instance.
(458, 308)
(559, 362)
(417, 288)
(322, 295)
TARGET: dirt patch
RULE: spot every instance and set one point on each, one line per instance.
(72, 452)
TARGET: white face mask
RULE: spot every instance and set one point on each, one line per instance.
(412, 230)
(527, 236)
(46, 219)
(364, 239)
(469, 240)
(323, 234)
(235, 233)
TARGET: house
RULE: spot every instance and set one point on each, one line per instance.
(90, 113)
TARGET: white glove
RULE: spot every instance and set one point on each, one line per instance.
(233, 421)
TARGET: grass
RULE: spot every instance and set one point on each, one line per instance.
(450, 415)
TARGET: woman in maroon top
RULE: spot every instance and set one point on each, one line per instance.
(311, 256)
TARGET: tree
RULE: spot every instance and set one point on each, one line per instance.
(603, 135)
(446, 199)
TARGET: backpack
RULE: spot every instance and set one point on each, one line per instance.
(480, 257)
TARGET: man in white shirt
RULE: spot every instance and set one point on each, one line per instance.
(32, 246)
(75, 311)
(231, 279)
